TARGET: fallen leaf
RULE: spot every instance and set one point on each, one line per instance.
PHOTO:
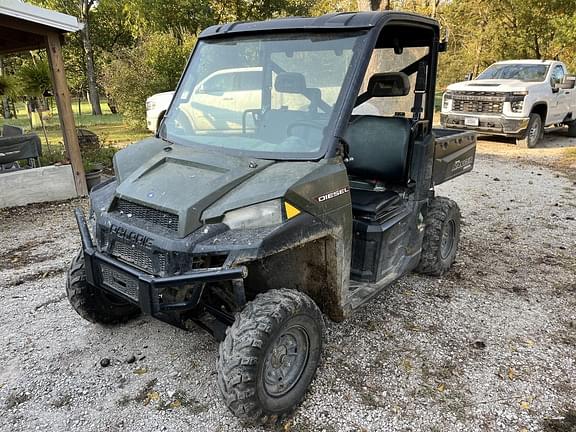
(287, 426)
(525, 405)
(175, 404)
(140, 371)
(512, 374)
(153, 396)
(441, 387)
(407, 365)
(529, 343)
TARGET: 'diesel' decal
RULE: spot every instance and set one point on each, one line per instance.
(333, 194)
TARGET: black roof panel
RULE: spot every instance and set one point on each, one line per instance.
(335, 21)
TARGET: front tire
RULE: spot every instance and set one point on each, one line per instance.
(441, 237)
(533, 134)
(270, 354)
(92, 303)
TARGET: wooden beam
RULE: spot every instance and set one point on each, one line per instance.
(65, 113)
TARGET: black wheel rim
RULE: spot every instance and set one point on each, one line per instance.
(286, 360)
(447, 242)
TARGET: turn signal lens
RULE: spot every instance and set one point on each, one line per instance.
(291, 211)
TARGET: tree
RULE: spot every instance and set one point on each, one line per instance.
(83, 58)
(153, 66)
(85, 13)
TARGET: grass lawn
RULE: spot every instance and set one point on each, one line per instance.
(109, 127)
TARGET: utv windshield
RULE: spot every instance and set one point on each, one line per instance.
(269, 96)
(522, 72)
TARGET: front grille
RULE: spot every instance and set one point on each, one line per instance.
(477, 106)
(478, 102)
(140, 257)
(147, 214)
(120, 282)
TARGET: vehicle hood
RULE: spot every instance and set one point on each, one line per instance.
(493, 85)
(180, 180)
(196, 184)
(167, 96)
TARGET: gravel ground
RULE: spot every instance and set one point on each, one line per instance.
(490, 346)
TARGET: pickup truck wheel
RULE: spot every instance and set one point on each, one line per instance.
(270, 354)
(533, 134)
(441, 237)
(91, 303)
(572, 129)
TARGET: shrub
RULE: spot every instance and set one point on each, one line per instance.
(153, 66)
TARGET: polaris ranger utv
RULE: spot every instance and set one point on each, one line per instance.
(253, 222)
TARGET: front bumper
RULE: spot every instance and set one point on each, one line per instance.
(494, 125)
(141, 288)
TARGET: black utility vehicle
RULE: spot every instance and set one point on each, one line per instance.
(292, 176)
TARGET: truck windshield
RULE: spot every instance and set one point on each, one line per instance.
(268, 96)
(516, 71)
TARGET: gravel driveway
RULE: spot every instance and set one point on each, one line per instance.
(490, 346)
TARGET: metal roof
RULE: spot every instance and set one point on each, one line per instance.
(26, 12)
(334, 21)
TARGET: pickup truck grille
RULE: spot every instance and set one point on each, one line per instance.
(139, 257)
(148, 214)
(478, 102)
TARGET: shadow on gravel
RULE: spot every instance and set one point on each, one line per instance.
(565, 423)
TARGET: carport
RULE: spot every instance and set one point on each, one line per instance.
(25, 27)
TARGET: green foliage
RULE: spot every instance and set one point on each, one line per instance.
(98, 158)
(485, 31)
(9, 86)
(51, 156)
(34, 78)
(151, 67)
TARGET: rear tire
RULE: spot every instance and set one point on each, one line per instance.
(441, 237)
(270, 354)
(534, 132)
(92, 303)
(572, 129)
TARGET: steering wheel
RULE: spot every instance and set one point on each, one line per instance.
(308, 124)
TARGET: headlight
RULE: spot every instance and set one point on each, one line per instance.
(516, 100)
(517, 106)
(150, 105)
(447, 101)
(260, 215)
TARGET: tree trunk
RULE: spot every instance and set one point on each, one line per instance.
(89, 56)
(434, 7)
(374, 5)
(5, 105)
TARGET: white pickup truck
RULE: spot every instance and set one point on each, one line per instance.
(515, 98)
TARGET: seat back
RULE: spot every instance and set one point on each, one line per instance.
(274, 124)
(379, 148)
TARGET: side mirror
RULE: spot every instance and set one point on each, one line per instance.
(569, 83)
(468, 76)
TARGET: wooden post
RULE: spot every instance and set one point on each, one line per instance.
(65, 113)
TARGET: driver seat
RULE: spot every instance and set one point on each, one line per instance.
(379, 153)
(378, 149)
